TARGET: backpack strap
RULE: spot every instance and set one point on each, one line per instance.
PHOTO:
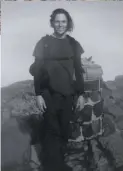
(73, 43)
(33, 65)
(79, 82)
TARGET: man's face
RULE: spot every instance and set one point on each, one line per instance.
(60, 24)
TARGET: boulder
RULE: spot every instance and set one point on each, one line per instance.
(15, 145)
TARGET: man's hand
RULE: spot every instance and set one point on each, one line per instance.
(41, 103)
(80, 103)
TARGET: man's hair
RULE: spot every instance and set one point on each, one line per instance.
(62, 11)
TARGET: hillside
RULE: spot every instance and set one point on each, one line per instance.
(18, 99)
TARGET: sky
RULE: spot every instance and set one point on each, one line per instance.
(98, 28)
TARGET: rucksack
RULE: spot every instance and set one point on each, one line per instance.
(92, 71)
(92, 75)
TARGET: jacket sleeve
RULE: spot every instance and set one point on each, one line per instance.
(78, 69)
(37, 69)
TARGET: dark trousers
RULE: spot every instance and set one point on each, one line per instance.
(56, 119)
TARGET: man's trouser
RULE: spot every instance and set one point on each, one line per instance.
(56, 121)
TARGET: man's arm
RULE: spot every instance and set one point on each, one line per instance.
(40, 75)
(78, 69)
(37, 70)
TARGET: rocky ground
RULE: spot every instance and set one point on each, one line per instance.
(18, 100)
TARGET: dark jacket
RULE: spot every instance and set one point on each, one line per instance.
(41, 77)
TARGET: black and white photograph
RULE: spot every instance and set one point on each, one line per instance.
(62, 86)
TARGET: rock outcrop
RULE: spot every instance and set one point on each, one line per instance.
(18, 100)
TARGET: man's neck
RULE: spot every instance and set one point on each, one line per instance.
(58, 36)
